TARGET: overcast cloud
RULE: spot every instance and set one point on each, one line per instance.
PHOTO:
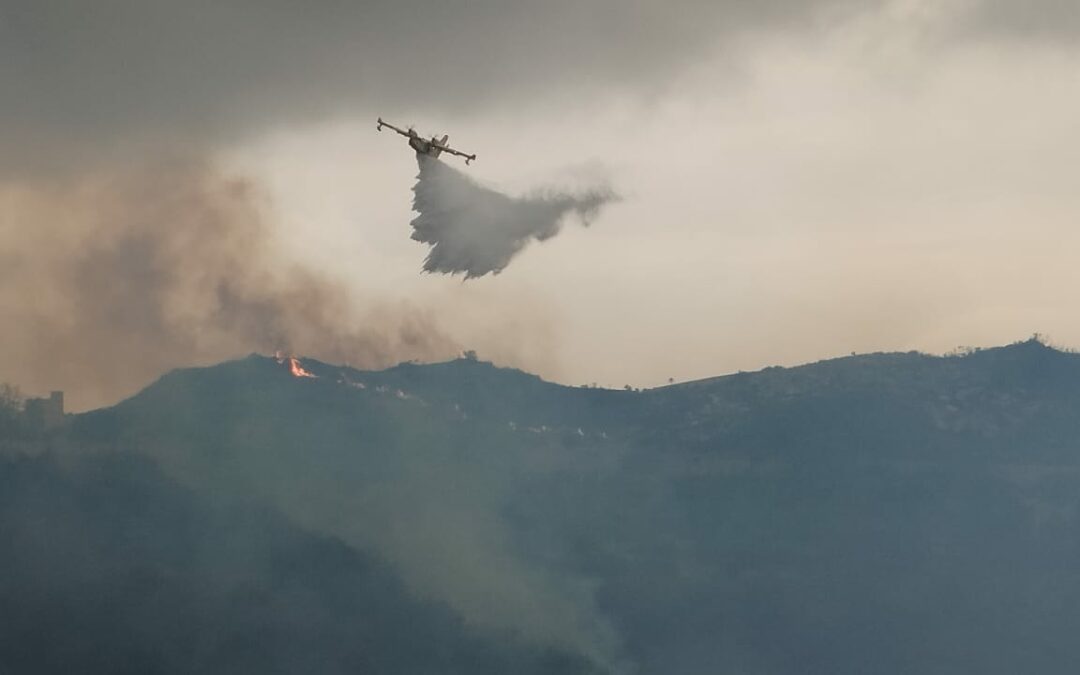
(753, 126)
(1037, 20)
(105, 76)
(801, 180)
(84, 80)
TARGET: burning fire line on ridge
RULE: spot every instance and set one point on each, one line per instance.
(295, 369)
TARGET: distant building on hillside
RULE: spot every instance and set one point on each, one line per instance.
(45, 414)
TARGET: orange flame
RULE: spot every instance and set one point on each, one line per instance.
(295, 369)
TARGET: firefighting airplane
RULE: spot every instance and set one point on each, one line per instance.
(432, 148)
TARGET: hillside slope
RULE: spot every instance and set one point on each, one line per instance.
(887, 513)
(107, 566)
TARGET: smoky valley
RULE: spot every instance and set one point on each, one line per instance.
(882, 513)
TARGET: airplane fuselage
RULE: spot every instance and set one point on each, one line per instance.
(424, 147)
(432, 147)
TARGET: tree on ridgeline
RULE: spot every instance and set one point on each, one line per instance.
(11, 410)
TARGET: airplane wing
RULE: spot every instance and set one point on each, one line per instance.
(447, 148)
(433, 143)
(382, 124)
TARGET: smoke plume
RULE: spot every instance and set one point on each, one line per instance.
(111, 280)
(475, 230)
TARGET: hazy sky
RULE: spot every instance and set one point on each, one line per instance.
(799, 180)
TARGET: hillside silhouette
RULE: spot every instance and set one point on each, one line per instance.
(887, 513)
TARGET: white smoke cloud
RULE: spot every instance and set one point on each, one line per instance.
(475, 230)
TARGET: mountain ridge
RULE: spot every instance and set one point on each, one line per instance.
(1026, 353)
(790, 520)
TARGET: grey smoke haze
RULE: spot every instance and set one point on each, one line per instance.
(1058, 20)
(110, 565)
(107, 283)
(104, 75)
(83, 82)
(91, 85)
(474, 230)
